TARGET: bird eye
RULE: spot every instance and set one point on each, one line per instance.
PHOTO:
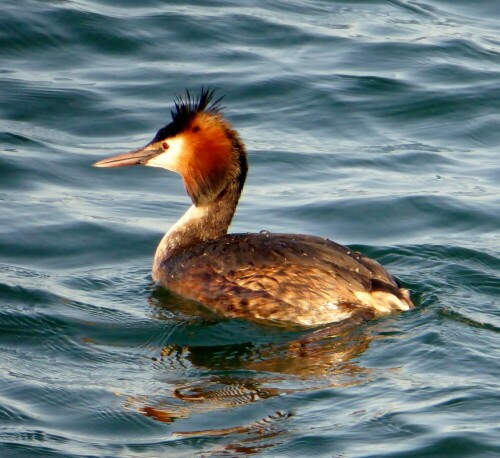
(164, 145)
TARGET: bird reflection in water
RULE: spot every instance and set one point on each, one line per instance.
(233, 376)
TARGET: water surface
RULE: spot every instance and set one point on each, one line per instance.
(374, 123)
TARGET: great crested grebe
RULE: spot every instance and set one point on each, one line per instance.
(273, 278)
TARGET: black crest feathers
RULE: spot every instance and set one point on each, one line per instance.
(185, 109)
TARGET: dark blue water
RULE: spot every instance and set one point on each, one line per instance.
(374, 123)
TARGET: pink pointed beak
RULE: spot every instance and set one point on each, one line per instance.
(138, 157)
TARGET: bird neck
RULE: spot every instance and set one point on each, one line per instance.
(201, 223)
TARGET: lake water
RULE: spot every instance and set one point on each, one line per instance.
(374, 123)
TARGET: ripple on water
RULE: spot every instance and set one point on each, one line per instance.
(372, 123)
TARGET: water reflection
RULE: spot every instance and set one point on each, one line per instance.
(236, 375)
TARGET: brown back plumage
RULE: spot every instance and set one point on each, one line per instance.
(282, 278)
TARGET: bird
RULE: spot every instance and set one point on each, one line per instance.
(280, 279)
